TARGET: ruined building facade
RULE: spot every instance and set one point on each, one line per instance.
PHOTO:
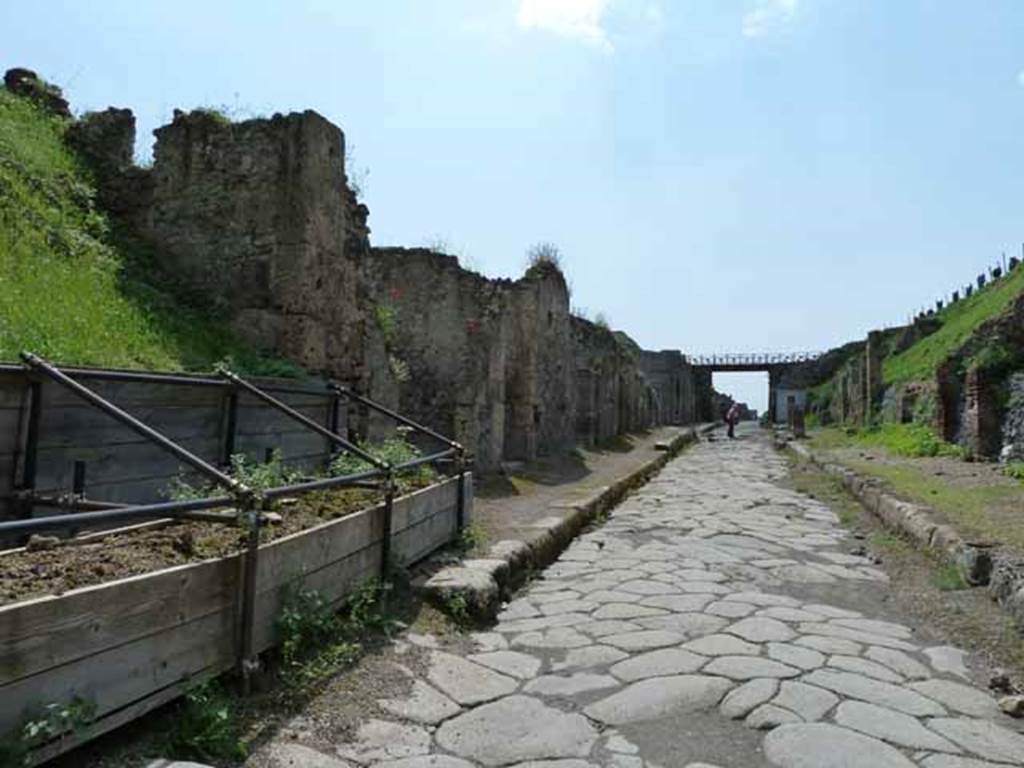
(257, 221)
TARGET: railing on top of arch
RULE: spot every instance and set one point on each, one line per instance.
(753, 358)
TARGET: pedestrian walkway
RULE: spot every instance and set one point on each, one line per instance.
(511, 507)
(715, 620)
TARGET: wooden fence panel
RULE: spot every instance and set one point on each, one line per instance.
(122, 466)
(130, 645)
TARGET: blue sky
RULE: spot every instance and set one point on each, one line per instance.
(719, 174)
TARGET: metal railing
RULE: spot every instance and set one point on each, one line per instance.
(753, 358)
(248, 504)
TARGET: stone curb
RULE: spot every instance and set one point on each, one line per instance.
(480, 585)
(978, 563)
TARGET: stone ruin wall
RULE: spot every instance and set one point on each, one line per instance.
(981, 409)
(257, 221)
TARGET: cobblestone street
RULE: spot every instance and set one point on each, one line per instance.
(716, 619)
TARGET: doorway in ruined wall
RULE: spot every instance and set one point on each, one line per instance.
(747, 387)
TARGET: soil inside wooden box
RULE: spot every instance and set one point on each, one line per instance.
(70, 564)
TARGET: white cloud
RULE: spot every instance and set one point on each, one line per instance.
(766, 16)
(580, 19)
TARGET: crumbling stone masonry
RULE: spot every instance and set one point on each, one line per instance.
(257, 221)
(671, 376)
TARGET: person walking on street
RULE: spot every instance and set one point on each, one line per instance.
(731, 417)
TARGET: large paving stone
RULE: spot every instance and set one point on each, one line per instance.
(569, 685)
(758, 629)
(740, 701)
(722, 645)
(660, 663)
(956, 761)
(769, 716)
(608, 627)
(378, 740)
(678, 603)
(648, 587)
(819, 745)
(864, 667)
(946, 658)
(795, 655)
(895, 727)
(426, 761)
(898, 661)
(875, 692)
(423, 704)
(590, 656)
(808, 701)
(516, 729)
(625, 611)
(763, 599)
(659, 696)
(465, 682)
(560, 637)
(647, 638)
(748, 667)
(512, 663)
(856, 635)
(688, 624)
(876, 627)
(730, 609)
(959, 697)
(789, 614)
(986, 739)
(829, 644)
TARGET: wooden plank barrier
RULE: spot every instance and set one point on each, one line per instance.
(131, 645)
(120, 465)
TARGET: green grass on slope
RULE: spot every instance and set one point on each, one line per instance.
(65, 288)
(959, 321)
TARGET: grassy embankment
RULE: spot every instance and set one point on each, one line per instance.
(978, 499)
(958, 322)
(71, 287)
